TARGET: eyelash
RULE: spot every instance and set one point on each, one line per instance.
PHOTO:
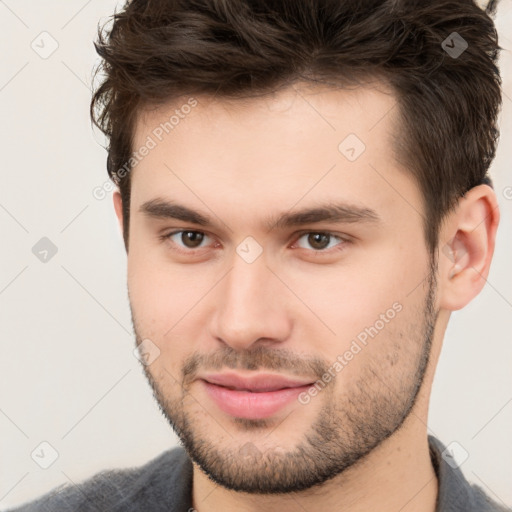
(339, 247)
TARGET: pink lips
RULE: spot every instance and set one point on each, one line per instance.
(254, 397)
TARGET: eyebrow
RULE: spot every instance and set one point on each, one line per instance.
(331, 212)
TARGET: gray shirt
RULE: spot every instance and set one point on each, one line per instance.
(165, 484)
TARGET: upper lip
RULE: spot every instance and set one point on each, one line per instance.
(260, 382)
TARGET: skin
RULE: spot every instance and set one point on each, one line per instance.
(294, 309)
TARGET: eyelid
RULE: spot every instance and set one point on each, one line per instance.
(166, 237)
(344, 239)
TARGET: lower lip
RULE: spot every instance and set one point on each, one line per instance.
(252, 405)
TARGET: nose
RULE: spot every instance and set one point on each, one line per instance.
(250, 306)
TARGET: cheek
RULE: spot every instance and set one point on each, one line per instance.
(350, 296)
(159, 291)
(382, 353)
(165, 301)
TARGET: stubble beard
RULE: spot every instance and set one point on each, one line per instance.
(347, 428)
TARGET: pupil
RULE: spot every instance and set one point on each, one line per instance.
(192, 238)
(316, 239)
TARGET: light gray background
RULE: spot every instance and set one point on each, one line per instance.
(68, 373)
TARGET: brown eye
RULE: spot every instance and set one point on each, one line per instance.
(319, 241)
(192, 239)
(186, 240)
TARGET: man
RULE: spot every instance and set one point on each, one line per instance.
(304, 200)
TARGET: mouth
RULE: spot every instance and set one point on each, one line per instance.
(257, 397)
(252, 390)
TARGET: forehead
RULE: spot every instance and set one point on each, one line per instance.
(317, 106)
(300, 144)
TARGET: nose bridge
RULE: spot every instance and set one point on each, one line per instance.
(248, 306)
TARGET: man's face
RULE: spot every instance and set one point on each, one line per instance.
(346, 303)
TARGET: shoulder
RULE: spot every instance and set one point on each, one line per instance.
(484, 503)
(456, 493)
(161, 483)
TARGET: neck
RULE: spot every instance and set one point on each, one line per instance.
(396, 475)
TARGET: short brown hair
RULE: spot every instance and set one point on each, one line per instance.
(159, 50)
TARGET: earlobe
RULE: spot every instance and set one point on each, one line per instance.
(465, 259)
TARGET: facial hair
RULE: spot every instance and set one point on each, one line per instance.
(349, 426)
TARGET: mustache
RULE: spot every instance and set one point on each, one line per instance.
(259, 358)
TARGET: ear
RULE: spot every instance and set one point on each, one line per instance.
(466, 247)
(118, 207)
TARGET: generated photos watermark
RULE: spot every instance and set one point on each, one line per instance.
(356, 346)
